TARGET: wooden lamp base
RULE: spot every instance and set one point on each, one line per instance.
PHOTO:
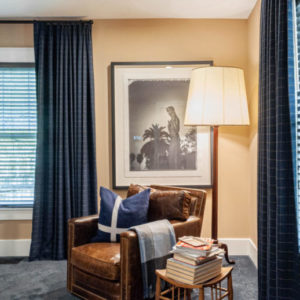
(214, 223)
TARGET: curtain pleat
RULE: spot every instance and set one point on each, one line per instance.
(65, 180)
(278, 272)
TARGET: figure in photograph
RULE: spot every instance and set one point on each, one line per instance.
(134, 166)
(174, 147)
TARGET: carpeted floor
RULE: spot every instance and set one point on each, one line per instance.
(20, 279)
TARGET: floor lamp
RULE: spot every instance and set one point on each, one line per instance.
(217, 97)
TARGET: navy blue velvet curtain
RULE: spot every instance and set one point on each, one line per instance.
(278, 273)
(65, 180)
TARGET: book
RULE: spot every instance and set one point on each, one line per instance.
(182, 247)
(190, 269)
(196, 260)
(205, 247)
(194, 280)
(195, 276)
(190, 277)
(193, 273)
(195, 241)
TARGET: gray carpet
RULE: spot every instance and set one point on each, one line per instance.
(47, 280)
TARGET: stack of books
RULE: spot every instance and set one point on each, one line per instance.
(195, 260)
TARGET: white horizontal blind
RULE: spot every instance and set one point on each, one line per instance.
(18, 125)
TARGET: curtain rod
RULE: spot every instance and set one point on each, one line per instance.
(32, 21)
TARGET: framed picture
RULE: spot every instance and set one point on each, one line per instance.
(150, 143)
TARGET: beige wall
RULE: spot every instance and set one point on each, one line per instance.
(223, 41)
(15, 35)
(252, 87)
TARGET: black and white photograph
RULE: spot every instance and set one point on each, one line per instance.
(150, 141)
(158, 138)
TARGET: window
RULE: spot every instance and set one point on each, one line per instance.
(18, 126)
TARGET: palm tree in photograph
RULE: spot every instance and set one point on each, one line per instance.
(155, 149)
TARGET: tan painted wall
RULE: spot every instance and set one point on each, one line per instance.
(15, 35)
(252, 87)
(223, 41)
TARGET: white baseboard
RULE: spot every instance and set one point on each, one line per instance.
(236, 246)
(15, 247)
(241, 246)
(253, 252)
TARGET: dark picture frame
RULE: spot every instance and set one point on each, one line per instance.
(150, 144)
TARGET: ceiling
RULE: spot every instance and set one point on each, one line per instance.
(125, 9)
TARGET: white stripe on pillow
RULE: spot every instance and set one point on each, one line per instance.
(110, 230)
(113, 229)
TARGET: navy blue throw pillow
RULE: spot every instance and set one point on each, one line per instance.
(117, 215)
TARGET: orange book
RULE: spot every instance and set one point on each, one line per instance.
(182, 244)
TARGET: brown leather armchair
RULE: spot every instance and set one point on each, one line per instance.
(113, 270)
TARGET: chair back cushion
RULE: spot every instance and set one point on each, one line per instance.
(171, 205)
(117, 215)
(198, 198)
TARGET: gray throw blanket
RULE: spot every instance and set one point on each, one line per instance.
(156, 240)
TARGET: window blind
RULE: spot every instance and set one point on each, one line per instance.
(18, 126)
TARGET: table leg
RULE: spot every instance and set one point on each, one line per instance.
(188, 291)
(201, 294)
(230, 289)
(157, 291)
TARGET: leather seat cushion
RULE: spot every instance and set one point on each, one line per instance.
(100, 259)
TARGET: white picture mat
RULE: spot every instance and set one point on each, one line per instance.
(123, 176)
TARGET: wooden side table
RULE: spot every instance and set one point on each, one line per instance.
(217, 291)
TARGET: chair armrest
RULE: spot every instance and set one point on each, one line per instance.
(81, 230)
(131, 275)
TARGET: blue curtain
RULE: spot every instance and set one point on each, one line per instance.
(296, 110)
(278, 273)
(65, 177)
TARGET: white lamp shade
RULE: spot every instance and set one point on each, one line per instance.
(217, 96)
